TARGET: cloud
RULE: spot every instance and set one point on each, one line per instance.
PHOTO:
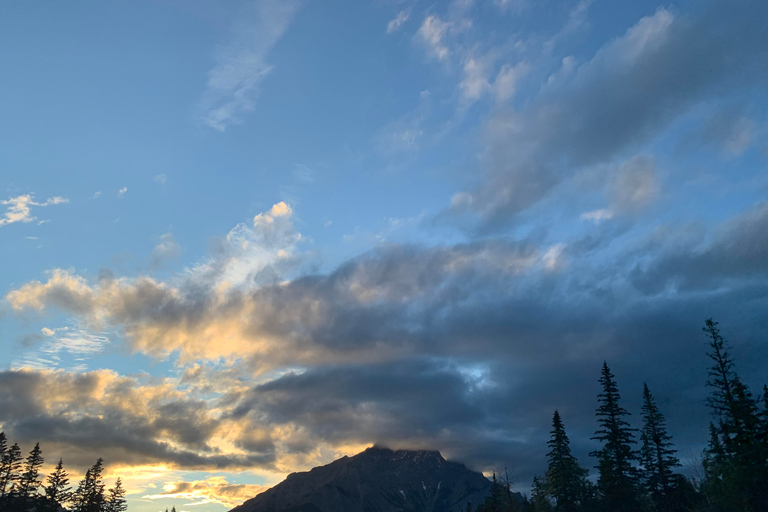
(160, 178)
(432, 33)
(631, 90)
(466, 348)
(738, 250)
(211, 490)
(121, 192)
(241, 64)
(166, 249)
(398, 21)
(20, 208)
(633, 186)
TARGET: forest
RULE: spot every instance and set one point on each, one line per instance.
(644, 476)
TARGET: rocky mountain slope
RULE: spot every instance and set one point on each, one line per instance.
(377, 480)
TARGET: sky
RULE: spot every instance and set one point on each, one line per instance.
(242, 239)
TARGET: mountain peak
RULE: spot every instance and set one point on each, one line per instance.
(378, 478)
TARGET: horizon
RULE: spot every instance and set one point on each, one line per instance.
(243, 240)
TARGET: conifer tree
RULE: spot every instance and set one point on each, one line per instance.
(9, 470)
(657, 454)
(618, 477)
(30, 480)
(57, 490)
(89, 496)
(736, 461)
(3, 446)
(540, 496)
(565, 478)
(115, 501)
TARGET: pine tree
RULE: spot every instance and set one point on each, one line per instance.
(9, 470)
(618, 477)
(89, 496)
(540, 496)
(30, 480)
(3, 446)
(565, 478)
(657, 455)
(736, 461)
(495, 501)
(57, 491)
(116, 499)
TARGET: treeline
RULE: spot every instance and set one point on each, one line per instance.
(22, 488)
(733, 476)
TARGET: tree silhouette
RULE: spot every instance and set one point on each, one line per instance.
(565, 478)
(657, 455)
(618, 477)
(57, 489)
(9, 470)
(116, 498)
(30, 480)
(540, 496)
(89, 496)
(736, 460)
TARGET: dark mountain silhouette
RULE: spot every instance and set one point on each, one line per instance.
(377, 480)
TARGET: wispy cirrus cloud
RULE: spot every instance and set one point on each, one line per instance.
(397, 22)
(19, 208)
(241, 63)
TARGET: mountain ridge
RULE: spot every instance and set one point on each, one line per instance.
(376, 480)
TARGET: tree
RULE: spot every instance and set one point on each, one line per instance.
(618, 477)
(116, 498)
(9, 470)
(657, 455)
(89, 496)
(57, 491)
(540, 496)
(496, 501)
(565, 478)
(30, 480)
(736, 460)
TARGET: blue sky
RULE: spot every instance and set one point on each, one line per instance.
(241, 235)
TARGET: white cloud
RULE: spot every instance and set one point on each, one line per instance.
(122, 191)
(160, 178)
(505, 84)
(597, 216)
(397, 22)
(241, 65)
(432, 32)
(475, 82)
(167, 248)
(20, 208)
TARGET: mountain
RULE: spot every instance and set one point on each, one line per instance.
(377, 480)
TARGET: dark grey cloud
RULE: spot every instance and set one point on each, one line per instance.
(739, 250)
(628, 93)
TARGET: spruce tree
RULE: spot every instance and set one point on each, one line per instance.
(57, 490)
(618, 479)
(89, 496)
(540, 496)
(30, 479)
(736, 461)
(115, 501)
(565, 478)
(657, 454)
(3, 446)
(9, 470)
